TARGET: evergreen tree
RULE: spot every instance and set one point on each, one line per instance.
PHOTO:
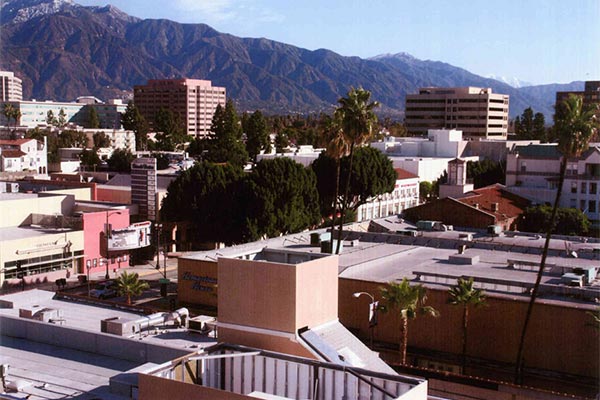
(120, 160)
(539, 127)
(225, 142)
(93, 119)
(257, 136)
(170, 130)
(134, 121)
(101, 139)
(62, 118)
(283, 197)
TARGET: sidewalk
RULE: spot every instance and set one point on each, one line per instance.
(142, 270)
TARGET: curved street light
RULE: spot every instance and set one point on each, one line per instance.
(372, 313)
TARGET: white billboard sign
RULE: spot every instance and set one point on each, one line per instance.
(132, 237)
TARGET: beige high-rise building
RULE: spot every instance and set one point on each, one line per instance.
(194, 100)
(478, 112)
(11, 87)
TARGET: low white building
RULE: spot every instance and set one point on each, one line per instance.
(404, 195)
(18, 155)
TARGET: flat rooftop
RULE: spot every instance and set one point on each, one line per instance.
(29, 231)
(502, 265)
(72, 358)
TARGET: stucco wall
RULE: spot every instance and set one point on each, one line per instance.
(559, 338)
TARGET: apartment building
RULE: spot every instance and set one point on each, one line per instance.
(478, 112)
(533, 172)
(11, 88)
(23, 155)
(193, 100)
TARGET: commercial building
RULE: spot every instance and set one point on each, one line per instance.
(533, 172)
(143, 187)
(35, 113)
(60, 231)
(590, 94)
(478, 112)
(504, 266)
(194, 101)
(11, 87)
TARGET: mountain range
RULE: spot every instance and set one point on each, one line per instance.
(62, 50)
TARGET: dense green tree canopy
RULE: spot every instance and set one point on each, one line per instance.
(372, 175)
(486, 172)
(206, 196)
(570, 221)
(101, 139)
(284, 198)
(120, 160)
(89, 158)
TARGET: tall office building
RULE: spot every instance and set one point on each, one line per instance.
(590, 94)
(193, 100)
(143, 187)
(11, 87)
(478, 112)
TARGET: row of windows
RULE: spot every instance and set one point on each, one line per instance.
(593, 187)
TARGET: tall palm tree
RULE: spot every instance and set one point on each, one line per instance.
(128, 284)
(465, 294)
(574, 128)
(337, 148)
(357, 119)
(410, 302)
(10, 112)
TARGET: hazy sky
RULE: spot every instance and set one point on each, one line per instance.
(537, 41)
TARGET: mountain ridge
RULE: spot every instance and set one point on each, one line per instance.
(62, 50)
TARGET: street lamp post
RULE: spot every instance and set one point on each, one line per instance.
(107, 234)
(372, 313)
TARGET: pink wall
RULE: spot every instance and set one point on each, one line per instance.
(94, 239)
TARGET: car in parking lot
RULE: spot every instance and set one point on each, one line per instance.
(104, 290)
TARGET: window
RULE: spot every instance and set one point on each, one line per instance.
(583, 187)
(523, 166)
(592, 206)
(593, 187)
(573, 187)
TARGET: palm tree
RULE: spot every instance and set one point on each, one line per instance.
(10, 112)
(357, 119)
(465, 294)
(128, 284)
(410, 302)
(337, 147)
(574, 128)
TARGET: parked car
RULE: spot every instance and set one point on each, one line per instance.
(104, 290)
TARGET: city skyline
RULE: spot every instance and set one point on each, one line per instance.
(535, 42)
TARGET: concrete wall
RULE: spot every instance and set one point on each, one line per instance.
(156, 388)
(263, 294)
(559, 338)
(316, 292)
(92, 342)
(16, 212)
(196, 281)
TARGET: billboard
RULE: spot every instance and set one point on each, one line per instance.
(132, 237)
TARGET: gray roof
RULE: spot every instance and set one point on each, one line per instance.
(334, 343)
